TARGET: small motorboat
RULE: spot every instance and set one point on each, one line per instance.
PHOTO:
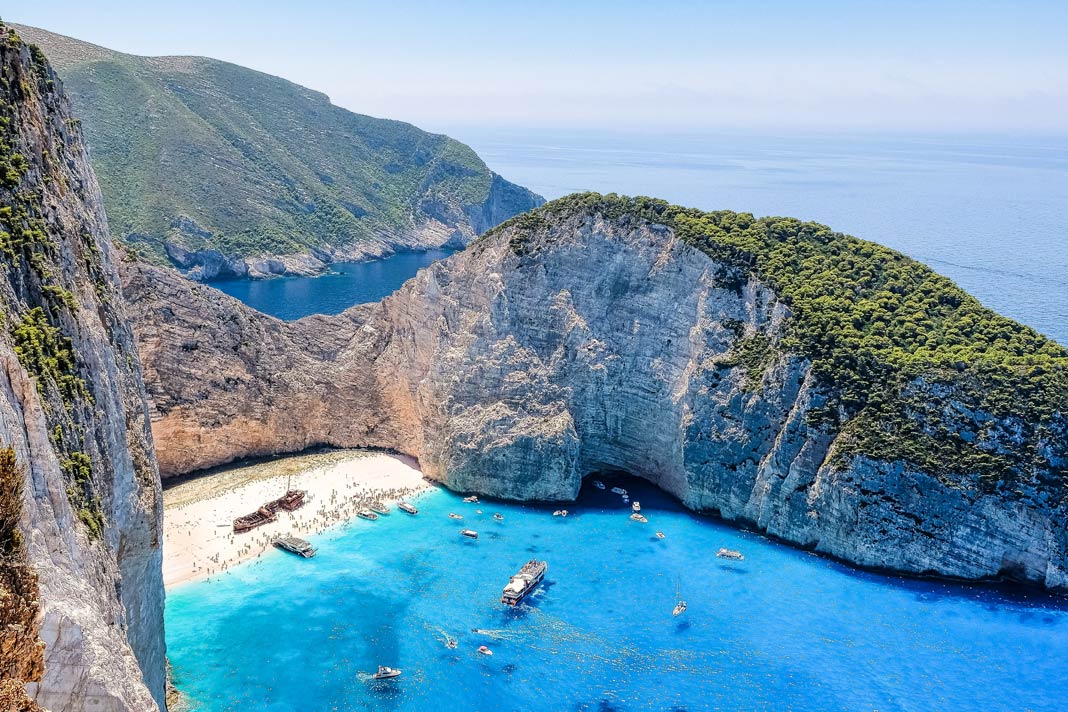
(499, 517)
(454, 515)
(380, 508)
(637, 506)
(598, 484)
(560, 513)
(618, 490)
(405, 507)
(469, 533)
(478, 511)
(639, 517)
(482, 649)
(730, 554)
(660, 535)
(471, 499)
(450, 643)
(367, 514)
(385, 672)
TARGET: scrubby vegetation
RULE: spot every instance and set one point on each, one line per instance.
(35, 303)
(916, 369)
(246, 163)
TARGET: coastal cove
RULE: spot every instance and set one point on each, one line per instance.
(345, 285)
(782, 629)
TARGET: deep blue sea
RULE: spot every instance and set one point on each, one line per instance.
(781, 630)
(346, 284)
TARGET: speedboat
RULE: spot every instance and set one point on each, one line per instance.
(469, 533)
(637, 506)
(660, 535)
(639, 518)
(367, 514)
(386, 673)
(471, 499)
(499, 517)
(560, 513)
(680, 608)
(484, 650)
(454, 515)
(598, 484)
(618, 490)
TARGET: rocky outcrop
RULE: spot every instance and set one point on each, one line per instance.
(73, 418)
(569, 343)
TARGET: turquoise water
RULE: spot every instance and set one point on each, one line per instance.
(346, 284)
(782, 630)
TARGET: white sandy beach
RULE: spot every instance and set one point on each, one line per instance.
(198, 514)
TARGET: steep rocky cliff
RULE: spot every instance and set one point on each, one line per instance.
(81, 595)
(220, 170)
(772, 372)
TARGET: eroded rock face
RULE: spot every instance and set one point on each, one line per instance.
(72, 408)
(543, 354)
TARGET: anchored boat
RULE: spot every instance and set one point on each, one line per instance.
(454, 515)
(637, 506)
(380, 508)
(598, 484)
(367, 514)
(524, 582)
(730, 554)
(469, 533)
(680, 605)
(295, 545)
(639, 517)
(619, 490)
(499, 517)
(471, 499)
(385, 672)
(405, 507)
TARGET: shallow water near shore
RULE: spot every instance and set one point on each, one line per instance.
(783, 629)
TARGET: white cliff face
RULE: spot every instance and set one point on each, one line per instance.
(542, 355)
(101, 592)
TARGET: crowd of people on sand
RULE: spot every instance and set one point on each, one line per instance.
(317, 515)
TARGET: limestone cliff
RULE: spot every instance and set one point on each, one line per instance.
(595, 335)
(82, 528)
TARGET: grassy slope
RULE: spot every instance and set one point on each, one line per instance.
(265, 165)
(917, 370)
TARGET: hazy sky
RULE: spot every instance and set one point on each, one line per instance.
(621, 64)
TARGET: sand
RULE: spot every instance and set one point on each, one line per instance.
(198, 514)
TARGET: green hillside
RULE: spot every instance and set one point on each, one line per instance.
(197, 154)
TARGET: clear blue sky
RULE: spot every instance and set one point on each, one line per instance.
(623, 64)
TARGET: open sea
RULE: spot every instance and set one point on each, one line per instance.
(781, 630)
(991, 213)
